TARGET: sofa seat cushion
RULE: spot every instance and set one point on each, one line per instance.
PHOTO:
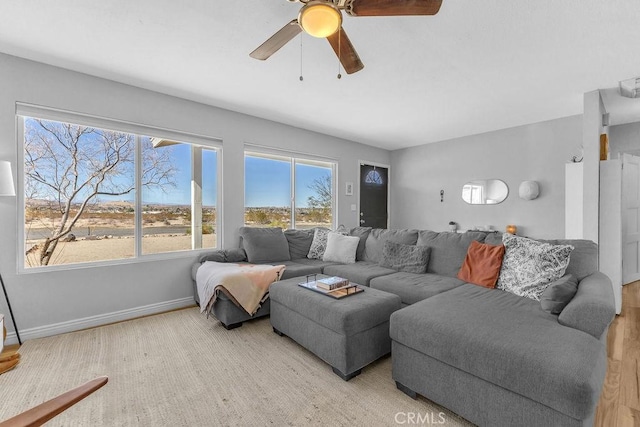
(508, 341)
(361, 272)
(314, 262)
(413, 287)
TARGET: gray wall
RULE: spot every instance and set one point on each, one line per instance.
(624, 139)
(64, 300)
(533, 152)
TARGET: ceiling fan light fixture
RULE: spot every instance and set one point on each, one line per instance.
(320, 19)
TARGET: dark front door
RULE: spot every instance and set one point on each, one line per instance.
(374, 182)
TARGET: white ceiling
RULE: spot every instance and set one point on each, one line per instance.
(474, 67)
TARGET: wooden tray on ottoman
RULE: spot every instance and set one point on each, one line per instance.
(337, 293)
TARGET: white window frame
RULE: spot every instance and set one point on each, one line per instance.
(294, 158)
(199, 142)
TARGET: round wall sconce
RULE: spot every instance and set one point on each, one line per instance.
(511, 229)
(529, 190)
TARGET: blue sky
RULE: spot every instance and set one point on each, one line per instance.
(267, 183)
(181, 193)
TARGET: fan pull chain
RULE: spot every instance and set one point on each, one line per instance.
(339, 52)
(301, 78)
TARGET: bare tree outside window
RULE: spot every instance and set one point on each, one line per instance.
(320, 202)
(71, 167)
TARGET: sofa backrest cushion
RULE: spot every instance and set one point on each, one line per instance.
(362, 233)
(407, 258)
(448, 249)
(264, 245)
(493, 238)
(375, 241)
(299, 242)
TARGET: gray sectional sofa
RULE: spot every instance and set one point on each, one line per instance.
(493, 357)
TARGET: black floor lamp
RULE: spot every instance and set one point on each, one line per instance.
(7, 189)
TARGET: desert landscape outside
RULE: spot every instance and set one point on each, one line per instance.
(82, 183)
(106, 231)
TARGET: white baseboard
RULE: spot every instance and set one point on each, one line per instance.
(99, 320)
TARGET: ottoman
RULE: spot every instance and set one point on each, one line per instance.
(347, 333)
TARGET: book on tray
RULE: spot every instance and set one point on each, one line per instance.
(331, 283)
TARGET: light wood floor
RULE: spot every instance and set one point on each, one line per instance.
(620, 399)
(619, 404)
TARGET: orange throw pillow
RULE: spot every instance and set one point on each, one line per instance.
(482, 264)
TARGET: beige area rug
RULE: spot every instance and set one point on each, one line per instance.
(182, 369)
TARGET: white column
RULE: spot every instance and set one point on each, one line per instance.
(196, 197)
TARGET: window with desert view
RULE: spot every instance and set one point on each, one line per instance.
(93, 194)
(288, 192)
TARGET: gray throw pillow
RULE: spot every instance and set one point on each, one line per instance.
(558, 294)
(407, 258)
(529, 266)
(264, 245)
(299, 242)
(377, 236)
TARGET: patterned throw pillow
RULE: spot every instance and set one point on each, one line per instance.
(407, 258)
(319, 243)
(529, 266)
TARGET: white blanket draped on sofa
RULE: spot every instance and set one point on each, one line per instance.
(247, 285)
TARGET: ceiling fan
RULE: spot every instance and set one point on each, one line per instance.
(323, 19)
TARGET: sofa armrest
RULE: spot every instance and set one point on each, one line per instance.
(224, 255)
(593, 308)
(217, 255)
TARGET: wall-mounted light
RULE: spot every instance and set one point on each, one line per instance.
(529, 190)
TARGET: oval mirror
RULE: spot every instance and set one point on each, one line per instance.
(485, 192)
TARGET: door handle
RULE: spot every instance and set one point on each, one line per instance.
(362, 221)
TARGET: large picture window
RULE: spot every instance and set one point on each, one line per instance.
(288, 192)
(93, 194)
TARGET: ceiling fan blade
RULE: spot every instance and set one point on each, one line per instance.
(392, 7)
(345, 51)
(276, 41)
